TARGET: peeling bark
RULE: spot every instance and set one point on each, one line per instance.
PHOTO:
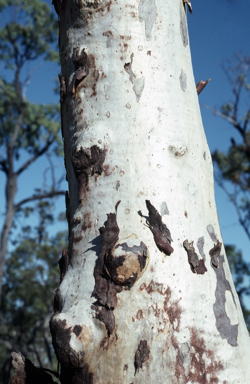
(162, 235)
(196, 265)
(201, 85)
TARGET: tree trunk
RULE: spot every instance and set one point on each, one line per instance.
(10, 192)
(150, 298)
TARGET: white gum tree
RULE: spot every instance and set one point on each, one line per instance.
(146, 294)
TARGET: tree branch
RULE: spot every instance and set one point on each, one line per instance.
(39, 197)
(39, 153)
(228, 118)
(233, 199)
(3, 167)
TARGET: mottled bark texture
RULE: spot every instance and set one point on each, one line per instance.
(137, 303)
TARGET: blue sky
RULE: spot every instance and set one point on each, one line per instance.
(217, 29)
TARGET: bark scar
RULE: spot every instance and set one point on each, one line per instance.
(80, 59)
(87, 162)
(119, 265)
(141, 355)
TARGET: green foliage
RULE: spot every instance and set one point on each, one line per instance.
(39, 123)
(29, 32)
(241, 276)
(30, 279)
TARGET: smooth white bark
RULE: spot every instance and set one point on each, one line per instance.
(146, 117)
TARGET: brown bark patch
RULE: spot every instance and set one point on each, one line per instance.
(161, 233)
(81, 375)
(73, 368)
(141, 355)
(80, 60)
(77, 330)
(118, 266)
(63, 264)
(87, 222)
(196, 265)
(105, 291)
(201, 85)
(90, 81)
(87, 162)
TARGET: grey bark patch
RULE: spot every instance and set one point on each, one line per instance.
(211, 233)
(204, 155)
(200, 245)
(147, 12)
(183, 80)
(138, 87)
(184, 353)
(164, 209)
(138, 83)
(183, 27)
(215, 253)
(128, 69)
(109, 36)
(223, 325)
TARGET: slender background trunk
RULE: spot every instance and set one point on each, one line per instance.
(159, 304)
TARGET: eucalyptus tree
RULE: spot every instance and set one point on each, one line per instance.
(146, 294)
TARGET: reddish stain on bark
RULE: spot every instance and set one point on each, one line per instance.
(172, 309)
(139, 315)
(153, 286)
(106, 170)
(203, 366)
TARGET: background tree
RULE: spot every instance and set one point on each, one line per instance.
(232, 171)
(31, 275)
(240, 270)
(27, 130)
